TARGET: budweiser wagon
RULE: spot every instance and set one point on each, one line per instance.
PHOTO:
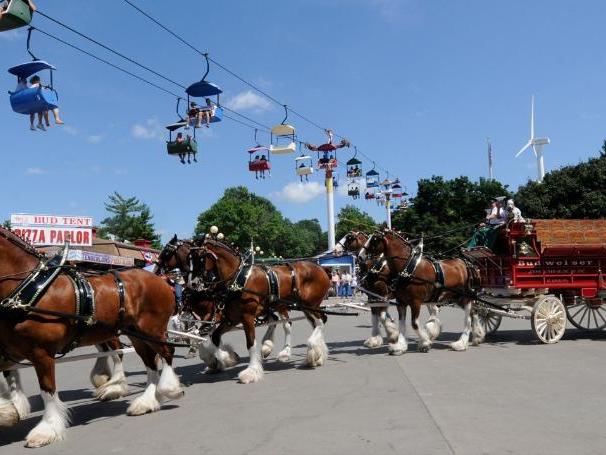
(546, 271)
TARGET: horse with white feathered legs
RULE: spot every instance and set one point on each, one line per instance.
(244, 293)
(417, 280)
(48, 308)
(354, 242)
(199, 302)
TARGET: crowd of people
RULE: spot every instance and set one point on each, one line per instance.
(344, 284)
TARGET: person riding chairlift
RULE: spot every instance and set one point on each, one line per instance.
(263, 161)
(35, 82)
(302, 166)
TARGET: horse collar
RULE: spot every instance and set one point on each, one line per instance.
(416, 254)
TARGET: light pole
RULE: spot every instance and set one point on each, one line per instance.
(330, 208)
(387, 190)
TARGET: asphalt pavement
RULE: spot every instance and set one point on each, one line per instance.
(510, 395)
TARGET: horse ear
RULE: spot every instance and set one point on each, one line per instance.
(174, 239)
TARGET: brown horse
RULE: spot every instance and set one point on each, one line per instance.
(419, 280)
(244, 294)
(40, 332)
(369, 268)
(179, 254)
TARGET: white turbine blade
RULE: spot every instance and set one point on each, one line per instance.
(528, 144)
(534, 149)
(532, 118)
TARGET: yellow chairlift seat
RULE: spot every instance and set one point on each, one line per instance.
(283, 149)
(283, 130)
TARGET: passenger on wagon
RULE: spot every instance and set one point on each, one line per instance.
(497, 215)
(514, 213)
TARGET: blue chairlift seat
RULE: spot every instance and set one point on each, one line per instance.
(203, 89)
(32, 100)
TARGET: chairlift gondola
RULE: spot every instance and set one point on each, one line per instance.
(181, 146)
(304, 166)
(372, 178)
(206, 90)
(261, 162)
(283, 137)
(17, 14)
(370, 194)
(353, 190)
(32, 100)
(354, 168)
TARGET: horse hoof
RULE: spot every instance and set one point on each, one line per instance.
(433, 328)
(8, 415)
(458, 346)
(109, 392)
(227, 358)
(268, 346)
(250, 375)
(316, 355)
(143, 405)
(399, 347)
(284, 355)
(374, 342)
(423, 347)
(44, 434)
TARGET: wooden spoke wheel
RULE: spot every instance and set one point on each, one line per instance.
(548, 319)
(489, 320)
(587, 315)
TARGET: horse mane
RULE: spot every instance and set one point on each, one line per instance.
(218, 243)
(19, 242)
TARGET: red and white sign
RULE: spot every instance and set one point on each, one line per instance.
(53, 229)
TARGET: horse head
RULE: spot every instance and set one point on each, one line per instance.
(218, 259)
(176, 254)
(354, 241)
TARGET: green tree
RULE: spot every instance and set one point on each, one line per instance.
(449, 207)
(243, 217)
(351, 218)
(130, 220)
(577, 191)
(6, 224)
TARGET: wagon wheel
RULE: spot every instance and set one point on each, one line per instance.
(548, 319)
(587, 316)
(489, 320)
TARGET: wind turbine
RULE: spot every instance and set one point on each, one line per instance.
(537, 146)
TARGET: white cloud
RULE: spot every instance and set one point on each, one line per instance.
(35, 171)
(11, 35)
(248, 100)
(69, 130)
(150, 129)
(120, 171)
(95, 138)
(299, 193)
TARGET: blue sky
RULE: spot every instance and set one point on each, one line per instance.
(416, 84)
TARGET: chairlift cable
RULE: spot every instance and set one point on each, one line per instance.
(107, 48)
(107, 62)
(158, 74)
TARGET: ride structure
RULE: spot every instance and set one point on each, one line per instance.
(328, 162)
(545, 271)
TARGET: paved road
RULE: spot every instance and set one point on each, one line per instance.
(508, 396)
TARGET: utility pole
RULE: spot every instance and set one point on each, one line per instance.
(330, 207)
